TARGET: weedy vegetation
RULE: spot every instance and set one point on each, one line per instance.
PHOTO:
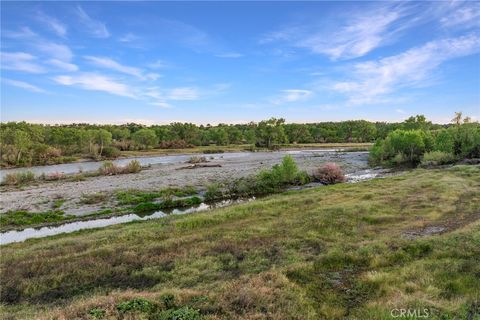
(342, 251)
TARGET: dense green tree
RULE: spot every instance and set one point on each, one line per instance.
(145, 138)
(270, 132)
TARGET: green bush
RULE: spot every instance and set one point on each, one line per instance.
(444, 141)
(434, 158)
(265, 182)
(97, 313)
(111, 152)
(136, 304)
(401, 146)
(408, 147)
(467, 140)
(213, 193)
(183, 313)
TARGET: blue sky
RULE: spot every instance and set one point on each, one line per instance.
(235, 62)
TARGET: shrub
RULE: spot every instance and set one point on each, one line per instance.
(111, 152)
(434, 158)
(168, 300)
(329, 173)
(18, 178)
(108, 168)
(175, 144)
(288, 169)
(197, 159)
(214, 192)
(467, 140)
(136, 304)
(133, 167)
(302, 178)
(10, 179)
(183, 313)
(97, 313)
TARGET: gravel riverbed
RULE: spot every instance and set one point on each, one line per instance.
(42, 196)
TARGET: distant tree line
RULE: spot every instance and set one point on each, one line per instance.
(24, 144)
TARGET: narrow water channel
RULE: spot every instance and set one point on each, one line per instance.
(28, 233)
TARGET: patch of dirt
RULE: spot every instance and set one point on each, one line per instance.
(446, 226)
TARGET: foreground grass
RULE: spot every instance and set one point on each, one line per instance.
(327, 253)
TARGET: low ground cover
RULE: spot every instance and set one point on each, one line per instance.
(333, 252)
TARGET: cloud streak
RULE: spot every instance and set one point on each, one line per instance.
(359, 35)
(23, 85)
(293, 95)
(96, 28)
(95, 82)
(374, 80)
(21, 61)
(53, 24)
(111, 64)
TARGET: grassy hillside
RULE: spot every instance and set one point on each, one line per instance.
(345, 251)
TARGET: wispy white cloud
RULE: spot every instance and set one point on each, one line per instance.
(374, 80)
(96, 82)
(97, 28)
(21, 61)
(185, 93)
(23, 85)
(292, 95)
(363, 32)
(128, 37)
(62, 65)
(45, 49)
(153, 76)
(52, 23)
(161, 104)
(54, 50)
(23, 33)
(165, 97)
(462, 14)
(229, 55)
(159, 64)
(111, 64)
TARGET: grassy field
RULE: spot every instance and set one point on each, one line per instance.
(353, 251)
(242, 147)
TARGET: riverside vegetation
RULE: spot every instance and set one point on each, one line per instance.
(428, 147)
(25, 144)
(274, 180)
(334, 252)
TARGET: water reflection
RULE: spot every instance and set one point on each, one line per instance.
(22, 235)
